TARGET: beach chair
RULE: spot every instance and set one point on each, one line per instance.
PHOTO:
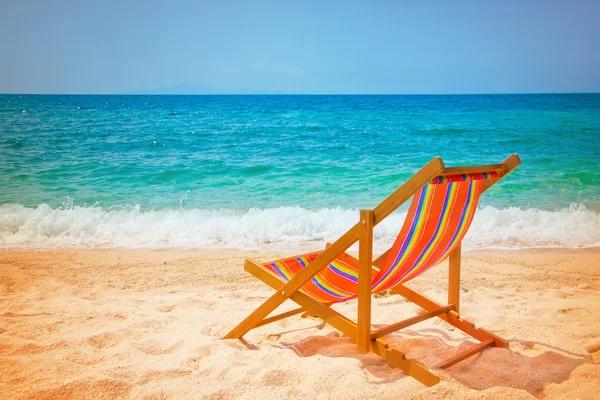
(444, 202)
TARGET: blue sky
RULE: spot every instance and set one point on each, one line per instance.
(131, 46)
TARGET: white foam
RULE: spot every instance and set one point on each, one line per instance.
(78, 227)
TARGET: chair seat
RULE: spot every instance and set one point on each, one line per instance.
(335, 283)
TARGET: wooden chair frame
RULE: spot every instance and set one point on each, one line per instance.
(360, 331)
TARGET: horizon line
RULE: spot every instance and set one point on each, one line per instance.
(290, 94)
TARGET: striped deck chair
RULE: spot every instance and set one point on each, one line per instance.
(444, 202)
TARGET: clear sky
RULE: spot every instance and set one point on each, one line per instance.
(437, 46)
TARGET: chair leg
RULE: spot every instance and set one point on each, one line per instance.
(454, 278)
(365, 250)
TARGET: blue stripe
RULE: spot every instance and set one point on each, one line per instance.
(276, 268)
(343, 274)
(324, 289)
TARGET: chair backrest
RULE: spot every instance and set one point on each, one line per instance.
(438, 218)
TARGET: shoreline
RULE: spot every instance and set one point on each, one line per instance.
(278, 248)
(147, 324)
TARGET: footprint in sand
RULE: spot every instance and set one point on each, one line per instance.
(253, 298)
(205, 351)
(190, 302)
(102, 389)
(194, 302)
(115, 316)
(192, 363)
(278, 378)
(155, 349)
(86, 357)
(214, 330)
(105, 340)
(162, 375)
(31, 348)
(572, 311)
(165, 309)
(90, 296)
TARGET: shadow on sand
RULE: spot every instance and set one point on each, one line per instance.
(492, 367)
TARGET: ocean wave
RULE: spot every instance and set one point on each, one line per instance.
(91, 227)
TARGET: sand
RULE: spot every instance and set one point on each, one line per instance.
(147, 325)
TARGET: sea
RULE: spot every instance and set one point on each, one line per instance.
(283, 172)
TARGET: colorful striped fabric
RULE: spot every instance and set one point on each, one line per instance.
(336, 282)
(438, 218)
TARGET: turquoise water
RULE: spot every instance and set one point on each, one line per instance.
(106, 170)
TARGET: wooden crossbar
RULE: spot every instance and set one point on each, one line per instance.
(472, 169)
(278, 317)
(455, 359)
(450, 317)
(410, 321)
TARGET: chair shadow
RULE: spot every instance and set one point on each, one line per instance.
(333, 345)
(251, 346)
(492, 367)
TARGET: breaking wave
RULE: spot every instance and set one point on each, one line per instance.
(90, 227)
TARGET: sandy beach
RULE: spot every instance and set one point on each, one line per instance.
(147, 325)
